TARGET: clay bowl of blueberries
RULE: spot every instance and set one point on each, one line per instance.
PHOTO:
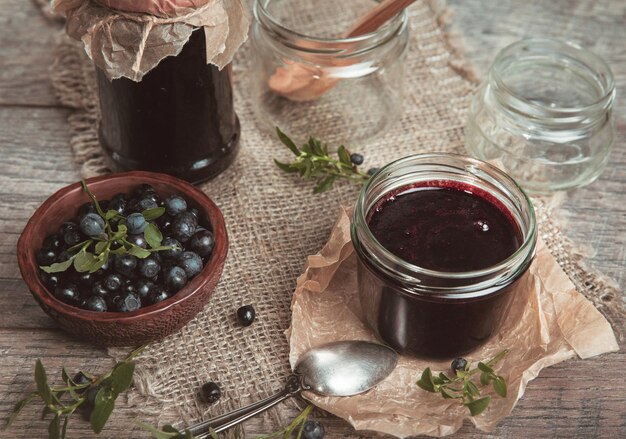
(124, 259)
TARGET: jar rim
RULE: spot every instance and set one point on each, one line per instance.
(525, 249)
(562, 49)
(326, 45)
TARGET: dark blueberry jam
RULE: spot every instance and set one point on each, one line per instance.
(179, 119)
(448, 227)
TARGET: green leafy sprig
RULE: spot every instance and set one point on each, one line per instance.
(64, 400)
(296, 426)
(463, 388)
(313, 162)
(91, 254)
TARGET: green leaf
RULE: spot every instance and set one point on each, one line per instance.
(104, 405)
(471, 388)
(121, 233)
(121, 377)
(499, 385)
(42, 383)
(111, 214)
(139, 252)
(58, 267)
(55, 427)
(156, 433)
(478, 406)
(18, 408)
(484, 368)
(93, 198)
(444, 378)
(316, 146)
(154, 213)
(84, 261)
(64, 429)
(287, 141)
(170, 429)
(426, 380)
(100, 246)
(344, 157)
(446, 394)
(324, 185)
(484, 378)
(213, 434)
(153, 235)
(286, 167)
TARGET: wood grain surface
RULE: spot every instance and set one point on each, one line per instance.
(575, 399)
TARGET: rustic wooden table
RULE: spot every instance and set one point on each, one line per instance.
(575, 399)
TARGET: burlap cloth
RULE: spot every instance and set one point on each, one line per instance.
(274, 222)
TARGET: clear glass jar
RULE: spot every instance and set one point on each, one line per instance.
(307, 81)
(430, 313)
(545, 111)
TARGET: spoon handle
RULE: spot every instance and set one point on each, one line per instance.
(225, 421)
(377, 16)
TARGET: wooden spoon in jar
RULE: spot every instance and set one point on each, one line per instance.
(302, 82)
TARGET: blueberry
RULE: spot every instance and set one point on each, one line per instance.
(64, 256)
(145, 203)
(175, 278)
(356, 159)
(184, 226)
(128, 287)
(96, 303)
(81, 379)
(68, 293)
(164, 223)
(113, 282)
(148, 267)
(143, 188)
(202, 242)
(125, 264)
(87, 407)
(372, 171)
(92, 224)
(129, 302)
(143, 288)
(190, 262)
(194, 212)
(173, 253)
(86, 208)
(246, 315)
(139, 240)
(71, 238)
(53, 242)
(458, 364)
(99, 289)
(46, 257)
(51, 280)
(157, 294)
(313, 430)
(118, 203)
(210, 392)
(175, 205)
(66, 227)
(136, 223)
(84, 279)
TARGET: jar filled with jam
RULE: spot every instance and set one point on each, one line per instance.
(179, 119)
(441, 242)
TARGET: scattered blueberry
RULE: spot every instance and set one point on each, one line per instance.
(313, 430)
(175, 278)
(211, 392)
(372, 171)
(136, 223)
(202, 242)
(356, 159)
(246, 315)
(96, 303)
(81, 379)
(175, 205)
(458, 364)
(190, 262)
(92, 224)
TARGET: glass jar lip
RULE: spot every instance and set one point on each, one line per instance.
(322, 45)
(556, 47)
(525, 249)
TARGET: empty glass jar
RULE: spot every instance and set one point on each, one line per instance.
(545, 111)
(309, 80)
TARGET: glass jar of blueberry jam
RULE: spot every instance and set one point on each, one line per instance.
(441, 241)
(179, 119)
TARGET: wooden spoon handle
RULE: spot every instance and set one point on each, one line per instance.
(377, 16)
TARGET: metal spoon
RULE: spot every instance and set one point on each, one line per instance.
(341, 368)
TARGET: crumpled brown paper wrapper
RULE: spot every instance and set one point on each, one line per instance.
(550, 322)
(126, 44)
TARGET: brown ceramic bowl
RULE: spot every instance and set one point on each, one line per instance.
(115, 328)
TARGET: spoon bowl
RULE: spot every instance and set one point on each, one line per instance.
(342, 368)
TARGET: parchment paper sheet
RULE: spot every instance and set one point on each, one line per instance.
(127, 44)
(550, 322)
